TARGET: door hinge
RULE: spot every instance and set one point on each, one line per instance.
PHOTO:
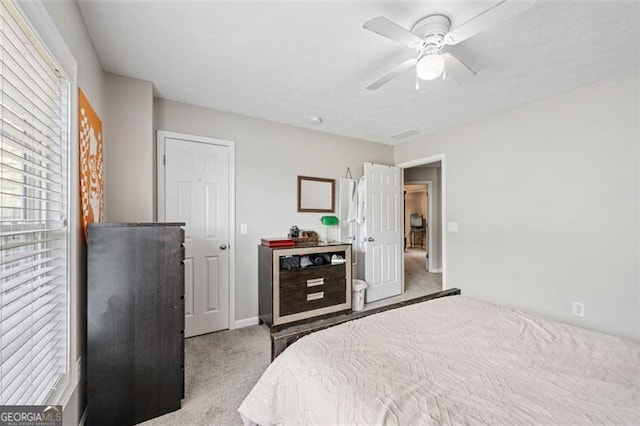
(164, 160)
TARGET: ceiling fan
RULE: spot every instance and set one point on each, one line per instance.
(431, 34)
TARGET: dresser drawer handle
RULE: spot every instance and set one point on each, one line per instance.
(314, 282)
(315, 296)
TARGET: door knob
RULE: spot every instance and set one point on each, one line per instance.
(370, 239)
(223, 247)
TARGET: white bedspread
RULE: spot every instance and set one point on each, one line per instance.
(451, 360)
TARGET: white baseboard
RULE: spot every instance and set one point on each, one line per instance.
(83, 419)
(436, 271)
(246, 322)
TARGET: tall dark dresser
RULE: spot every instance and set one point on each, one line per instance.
(135, 322)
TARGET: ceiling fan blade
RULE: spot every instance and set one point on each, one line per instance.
(487, 19)
(389, 29)
(456, 69)
(391, 74)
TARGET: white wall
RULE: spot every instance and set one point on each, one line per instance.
(129, 151)
(546, 197)
(269, 157)
(425, 174)
(91, 79)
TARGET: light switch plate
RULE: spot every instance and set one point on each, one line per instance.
(243, 229)
(452, 226)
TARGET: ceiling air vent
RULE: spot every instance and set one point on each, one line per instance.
(405, 134)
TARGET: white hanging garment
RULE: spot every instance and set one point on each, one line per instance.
(352, 216)
(361, 197)
(361, 216)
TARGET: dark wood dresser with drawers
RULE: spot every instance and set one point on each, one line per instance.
(135, 322)
(299, 283)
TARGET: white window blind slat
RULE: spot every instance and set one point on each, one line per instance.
(21, 79)
(53, 214)
(29, 304)
(18, 143)
(14, 98)
(26, 345)
(11, 212)
(21, 83)
(22, 267)
(22, 232)
(42, 123)
(21, 355)
(10, 286)
(18, 134)
(24, 125)
(17, 384)
(13, 78)
(24, 244)
(20, 157)
(21, 348)
(45, 348)
(45, 377)
(32, 166)
(23, 53)
(10, 259)
(6, 168)
(13, 328)
(26, 222)
(39, 198)
(16, 187)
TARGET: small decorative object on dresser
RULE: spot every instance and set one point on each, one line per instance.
(278, 242)
(304, 282)
(306, 238)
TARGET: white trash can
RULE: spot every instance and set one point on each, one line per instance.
(358, 288)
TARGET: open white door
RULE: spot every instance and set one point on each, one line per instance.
(383, 255)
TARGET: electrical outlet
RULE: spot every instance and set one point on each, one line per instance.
(577, 309)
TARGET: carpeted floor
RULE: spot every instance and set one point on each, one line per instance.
(416, 275)
(221, 368)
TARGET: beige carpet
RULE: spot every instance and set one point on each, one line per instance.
(221, 368)
(416, 276)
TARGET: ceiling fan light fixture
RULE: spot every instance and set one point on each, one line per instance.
(430, 67)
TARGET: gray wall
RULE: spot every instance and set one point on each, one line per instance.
(269, 157)
(91, 79)
(425, 174)
(547, 201)
(129, 151)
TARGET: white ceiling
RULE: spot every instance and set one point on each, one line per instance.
(288, 61)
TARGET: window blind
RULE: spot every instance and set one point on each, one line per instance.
(34, 140)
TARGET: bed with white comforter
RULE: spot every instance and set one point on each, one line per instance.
(451, 360)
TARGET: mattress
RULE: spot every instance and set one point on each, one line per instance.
(449, 361)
